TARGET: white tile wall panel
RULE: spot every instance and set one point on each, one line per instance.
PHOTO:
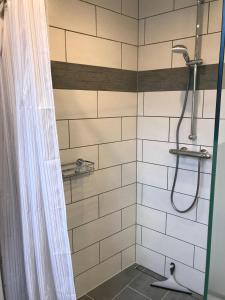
(138, 234)
(153, 128)
(98, 182)
(129, 57)
(57, 44)
(70, 235)
(210, 48)
(168, 246)
(200, 259)
(129, 173)
(188, 231)
(130, 8)
(149, 8)
(184, 3)
(117, 243)
(210, 104)
(94, 131)
(203, 211)
(204, 129)
(114, 5)
(97, 275)
(116, 27)
(139, 193)
(150, 259)
(215, 16)
(141, 32)
(129, 216)
(151, 218)
(170, 104)
(152, 175)
(187, 181)
(139, 150)
(140, 104)
(117, 199)
(82, 212)
(160, 199)
(75, 104)
(117, 153)
(129, 128)
(87, 153)
(72, 15)
(67, 191)
(63, 134)
(103, 53)
(95, 231)
(189, 277)
(148, 56)
(116, 104)
(85, 259)
(164, 27)
(128, 257)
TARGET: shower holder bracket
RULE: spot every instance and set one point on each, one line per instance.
(203, 154)
(78, 168)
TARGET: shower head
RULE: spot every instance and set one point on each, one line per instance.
(182, 50)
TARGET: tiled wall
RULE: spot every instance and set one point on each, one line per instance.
(99, 126)
(162, 234)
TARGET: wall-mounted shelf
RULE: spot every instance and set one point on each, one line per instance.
(78, 168)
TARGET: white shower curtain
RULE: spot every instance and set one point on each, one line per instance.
(36, 260)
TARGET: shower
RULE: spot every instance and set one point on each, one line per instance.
(182, 50)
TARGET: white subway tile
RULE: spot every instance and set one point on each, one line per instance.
(151, 218)
(117, 104)
(153, 128)
(128, 257)
(139, 193)
(95, 231)
(204, 130)
(72, 15)
(184, 3)
(187, 231)
(203, 211)
(82, 212)
(103, 53)
(75, 104)
(200, 259)
(63, 134)
(141, 32)
(67, 191)
(129, 173)
(113, 5)
(160, 199)
(129, 128)
(187, 183)
(117, 27)
(70, 236)
(152, 175)
(117, 153)
(138, 234)
(187, 276)
(140, 104)
(97, 275)
(215, 16)
(130, 8)
(149, 8)
(85, 259)
(117, 243)
(94, 131)
(117, 199)
(168, 246)
(150, 259)
(129, 216)
(87, 153)
(98, 182)
(148, 56)
(210, 104)
(129, 57)
(139, 150)
(210, 48)
(174, 25)
(57, 44)
(170, 104)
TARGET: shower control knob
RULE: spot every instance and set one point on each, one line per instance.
(192, 137)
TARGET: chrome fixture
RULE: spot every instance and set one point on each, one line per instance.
(181, 49)
(78, 168)
(204, 154)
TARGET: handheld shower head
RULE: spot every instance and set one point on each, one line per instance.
(182, 50)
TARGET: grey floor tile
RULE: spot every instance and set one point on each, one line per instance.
(114, 286)
(129, 294)
(178, 296)
(142, 285)
(84, 298)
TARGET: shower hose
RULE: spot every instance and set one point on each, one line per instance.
(178, 157)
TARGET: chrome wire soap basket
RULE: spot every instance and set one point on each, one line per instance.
(78, 168)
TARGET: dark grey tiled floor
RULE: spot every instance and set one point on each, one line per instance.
(134, 284)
